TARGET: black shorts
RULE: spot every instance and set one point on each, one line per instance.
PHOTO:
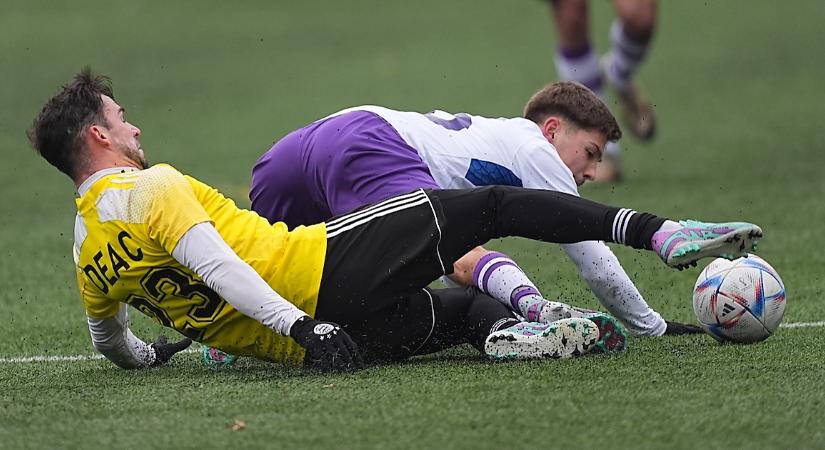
(379, 260)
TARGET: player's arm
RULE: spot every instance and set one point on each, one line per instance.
(109, 329)
(112, 337)
(600, 269)
(203, 250)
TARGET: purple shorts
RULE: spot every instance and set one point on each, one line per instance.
(333, 166)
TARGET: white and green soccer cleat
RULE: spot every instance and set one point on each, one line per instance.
(530, 340)
(694, 240)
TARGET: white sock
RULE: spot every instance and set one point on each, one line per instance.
(624, 57)
(498, 276)
(669, 225)
(581, 66)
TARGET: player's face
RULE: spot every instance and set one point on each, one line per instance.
(124, 136)
(580, 149)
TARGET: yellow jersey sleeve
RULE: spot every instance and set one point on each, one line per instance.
(173, 208)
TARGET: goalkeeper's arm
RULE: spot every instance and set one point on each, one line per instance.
(112, 338)
(203, 250)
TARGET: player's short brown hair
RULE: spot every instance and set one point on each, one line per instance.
(575, 103)
(56, 132)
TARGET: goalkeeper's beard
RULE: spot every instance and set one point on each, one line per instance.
(139, 158)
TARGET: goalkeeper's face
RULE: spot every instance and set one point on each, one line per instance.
(124, 137)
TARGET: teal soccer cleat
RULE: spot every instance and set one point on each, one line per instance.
(682, 247)
(215, 357)
(612, 334)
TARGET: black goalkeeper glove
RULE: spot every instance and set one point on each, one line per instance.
(328, 347)
(165, 351)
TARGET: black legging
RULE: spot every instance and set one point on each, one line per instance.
(471, 217)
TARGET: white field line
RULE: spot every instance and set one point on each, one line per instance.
(65, 358)
(802, 324)
(72, 358)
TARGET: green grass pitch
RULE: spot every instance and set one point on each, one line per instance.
(738, 89)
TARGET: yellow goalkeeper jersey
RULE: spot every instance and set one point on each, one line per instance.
(129, 222)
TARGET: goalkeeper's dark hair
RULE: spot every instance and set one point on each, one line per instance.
(57, 132)
(573, 102)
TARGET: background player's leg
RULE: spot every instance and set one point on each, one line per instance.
(575, 58)
(630, 38)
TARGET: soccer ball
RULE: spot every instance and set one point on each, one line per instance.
(739, 301)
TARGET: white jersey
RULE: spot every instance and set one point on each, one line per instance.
(463, 151)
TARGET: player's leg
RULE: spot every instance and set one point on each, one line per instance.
(465, 315)
(630, 38)
(402, 244)
(577, 60)
(494, 272)
(498, 276)
(469, 315)
(395, 327)
(470, 216)
(426, 321)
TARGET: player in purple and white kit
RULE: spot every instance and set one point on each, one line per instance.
(365, 154)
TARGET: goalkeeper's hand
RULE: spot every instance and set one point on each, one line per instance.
(164, 351)
(328, 347)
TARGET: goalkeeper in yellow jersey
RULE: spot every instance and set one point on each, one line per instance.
(334, 295)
